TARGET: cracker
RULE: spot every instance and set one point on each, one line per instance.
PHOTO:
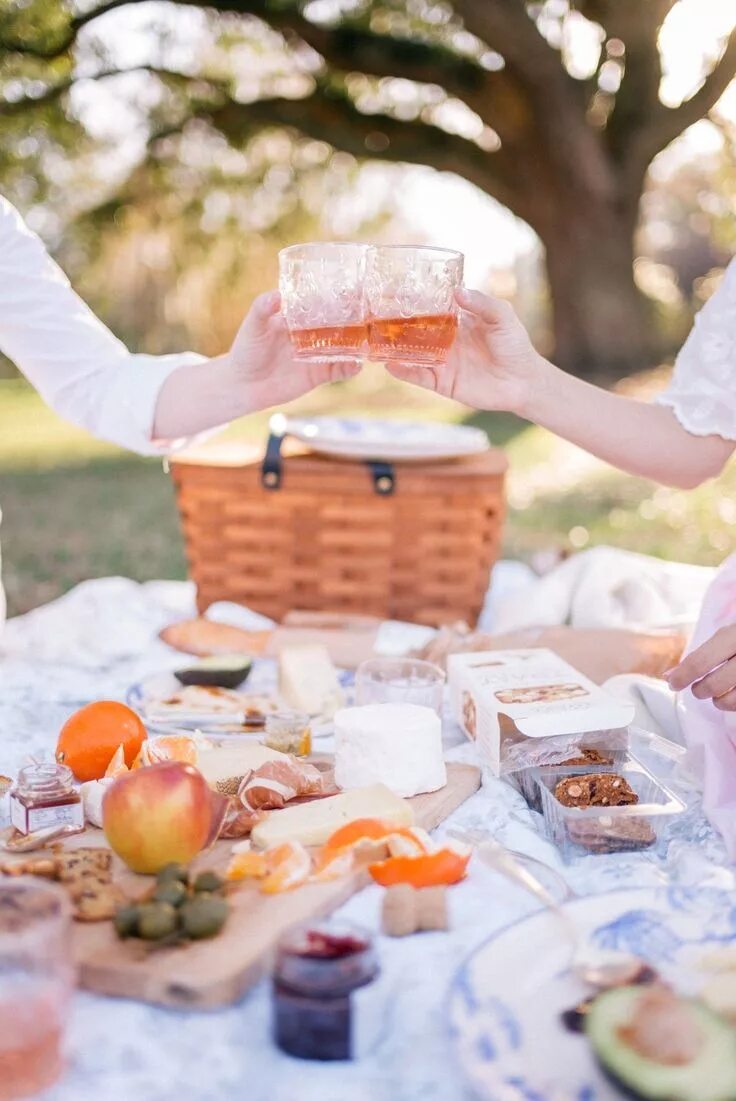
(589, 757)
(610, 835)
(603, 789)
(75, 864)
(96, 901)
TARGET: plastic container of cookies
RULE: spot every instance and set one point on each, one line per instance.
(525, 780)
(640, 824)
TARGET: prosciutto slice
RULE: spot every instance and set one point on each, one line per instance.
(275, 783)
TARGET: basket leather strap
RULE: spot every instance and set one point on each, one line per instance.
(272, 469)
(384, 477)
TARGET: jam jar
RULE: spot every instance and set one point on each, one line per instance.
(326, 1005)
(44, 796)
(289, 732)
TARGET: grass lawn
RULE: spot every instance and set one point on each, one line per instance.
(75, 508)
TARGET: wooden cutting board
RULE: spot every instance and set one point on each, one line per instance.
(217, 972)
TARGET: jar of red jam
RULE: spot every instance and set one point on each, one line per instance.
(44, 796)
(320, 982)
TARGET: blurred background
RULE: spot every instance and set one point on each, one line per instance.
(582, 153)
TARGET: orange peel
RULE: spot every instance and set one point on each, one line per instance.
(117, 764)
(440, 868)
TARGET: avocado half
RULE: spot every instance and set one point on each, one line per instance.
(219, 671)
(709, 1076)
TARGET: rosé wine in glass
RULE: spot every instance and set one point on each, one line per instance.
(322, 300)
(410, 295)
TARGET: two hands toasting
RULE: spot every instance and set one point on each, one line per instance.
(405, 306)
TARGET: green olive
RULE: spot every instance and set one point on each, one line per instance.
(208, 881)
(126, 921)
(203, 916)
(173, 872)
(172, 890)
(156, 920)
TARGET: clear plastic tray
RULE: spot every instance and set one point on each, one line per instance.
(642, 826)
(525, 780)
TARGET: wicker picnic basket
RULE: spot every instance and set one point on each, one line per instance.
(415, 541)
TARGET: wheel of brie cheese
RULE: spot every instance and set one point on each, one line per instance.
(396, 744)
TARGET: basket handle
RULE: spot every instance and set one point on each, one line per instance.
(382, 474)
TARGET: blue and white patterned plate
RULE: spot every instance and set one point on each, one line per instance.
(393, 441)
(505, 1001)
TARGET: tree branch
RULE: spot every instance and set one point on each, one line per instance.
(55, 91)
(572, 146)
(10, 44)
(332, 118)
(637, 25)
(667, 123)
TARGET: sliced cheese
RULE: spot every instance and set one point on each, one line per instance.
(308, 680)
(312, 823)
(225, 762)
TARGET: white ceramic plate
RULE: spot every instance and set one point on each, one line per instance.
(506, 1000)
(145, 696)
(393, 441)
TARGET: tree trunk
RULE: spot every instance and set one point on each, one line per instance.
(602, 326)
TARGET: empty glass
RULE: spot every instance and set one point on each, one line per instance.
(36, 980)
(410, 295)
(322, 300)
(400, 680)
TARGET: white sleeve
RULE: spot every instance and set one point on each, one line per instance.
(80, 369)
(702, 392)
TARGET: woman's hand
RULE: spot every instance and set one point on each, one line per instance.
(492, 363)
(258, 372)
(265, 371)
(711, 670)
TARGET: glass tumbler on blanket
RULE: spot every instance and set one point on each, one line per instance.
(36, 981)
(400, 680)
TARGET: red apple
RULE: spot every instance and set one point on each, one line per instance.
(158, 815)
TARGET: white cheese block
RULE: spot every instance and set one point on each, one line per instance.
(308, 680)
(224, 762)
(397, 744)
(312, 823)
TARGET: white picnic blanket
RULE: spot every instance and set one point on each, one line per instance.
(94, 643)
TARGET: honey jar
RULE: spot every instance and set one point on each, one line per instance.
(289, 732)
(44, 796)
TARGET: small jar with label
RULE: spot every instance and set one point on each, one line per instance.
(325, 1001)
(44, 796)
(289, 732)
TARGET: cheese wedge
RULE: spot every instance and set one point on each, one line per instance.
(225, 762)
(312, 823)
(308, 680)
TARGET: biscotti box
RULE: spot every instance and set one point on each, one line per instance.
(528, 708)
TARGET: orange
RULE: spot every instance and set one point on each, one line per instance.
(169, 747)
(90, 737)
(288, 865)
(443, 867)
(247, 865)
(367, 840)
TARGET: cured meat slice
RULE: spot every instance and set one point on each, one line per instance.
(273, 784)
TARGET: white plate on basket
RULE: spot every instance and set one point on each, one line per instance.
(394, 441)
(505, 1001)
